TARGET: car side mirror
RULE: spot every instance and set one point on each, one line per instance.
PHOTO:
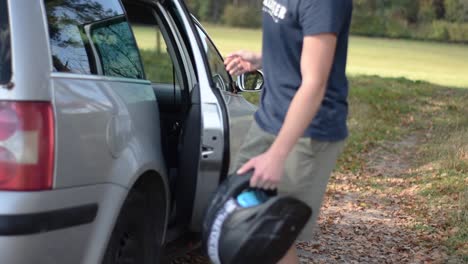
(251, 81)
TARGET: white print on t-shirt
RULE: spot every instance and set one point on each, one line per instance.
(276, 10)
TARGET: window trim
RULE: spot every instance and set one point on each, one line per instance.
(185, 64)
(169, 41)
(93, 77)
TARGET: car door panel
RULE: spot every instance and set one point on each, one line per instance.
(213, 154)
(105, 128)
(239, 109)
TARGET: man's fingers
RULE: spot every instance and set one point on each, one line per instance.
(232, 56)
(233, 64)
(246, 167)
(231, 67)
(268, 185)
(261, 181)
(255, 181)
(229, 59)
(238, 70)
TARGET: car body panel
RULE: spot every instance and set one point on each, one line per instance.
(78, 244)
(104, 128)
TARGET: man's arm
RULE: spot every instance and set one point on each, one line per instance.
(316, 61)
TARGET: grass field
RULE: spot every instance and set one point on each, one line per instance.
(445, 64)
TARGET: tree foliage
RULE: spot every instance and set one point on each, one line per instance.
(413, 11)
(443, 20)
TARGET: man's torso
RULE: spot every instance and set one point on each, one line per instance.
(285, 23)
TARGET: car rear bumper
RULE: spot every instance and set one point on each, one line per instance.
(60, 226)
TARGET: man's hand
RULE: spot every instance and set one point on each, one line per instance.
(268, 170)
(240, 62)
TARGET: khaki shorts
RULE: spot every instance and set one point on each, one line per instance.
(307, 170)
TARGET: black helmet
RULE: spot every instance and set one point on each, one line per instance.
(261, 233)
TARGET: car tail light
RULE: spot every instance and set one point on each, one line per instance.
(26, 146)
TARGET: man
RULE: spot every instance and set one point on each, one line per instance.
(300, 127)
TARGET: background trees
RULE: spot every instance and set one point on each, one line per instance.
(442, 20)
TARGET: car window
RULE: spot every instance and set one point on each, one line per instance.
(5, 52)
(159, 67)
(92, 37)
(220, 76)
(116, 49)
(161, 55)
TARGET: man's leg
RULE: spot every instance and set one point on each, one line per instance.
(256, 142)
(308, 170)
(309, 166)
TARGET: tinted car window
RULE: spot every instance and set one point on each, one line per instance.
(75, 24)
(116, 49)
(220, 76)
(5, 52)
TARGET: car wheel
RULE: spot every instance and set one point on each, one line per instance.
(136, 238)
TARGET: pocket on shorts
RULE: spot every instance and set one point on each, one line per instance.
(317, 147)
(302, 165)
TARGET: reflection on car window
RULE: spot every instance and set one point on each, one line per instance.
(116, 48)
(5, 53)
(220, 76)
(113, 54)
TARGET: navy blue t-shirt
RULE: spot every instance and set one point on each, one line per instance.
(285, 24)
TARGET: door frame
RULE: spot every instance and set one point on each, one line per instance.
(214, 155)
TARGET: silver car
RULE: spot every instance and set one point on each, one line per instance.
(117, 123)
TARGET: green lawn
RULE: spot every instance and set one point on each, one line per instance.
(445, 64)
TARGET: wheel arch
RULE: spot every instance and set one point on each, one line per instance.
(154, 184)
(157, 186)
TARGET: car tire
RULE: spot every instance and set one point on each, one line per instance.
(136, 238)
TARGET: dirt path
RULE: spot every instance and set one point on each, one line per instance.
(368, 227)
(363, 222)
